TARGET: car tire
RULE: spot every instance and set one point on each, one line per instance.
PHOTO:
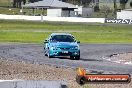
(49, 55)
(45, 52)
(77, 57)
(72, 57)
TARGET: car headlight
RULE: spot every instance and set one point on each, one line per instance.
(75, 47)
(54, 48)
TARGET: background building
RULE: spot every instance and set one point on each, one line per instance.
(54, 8)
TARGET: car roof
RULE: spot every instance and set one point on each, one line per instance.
(60, 34)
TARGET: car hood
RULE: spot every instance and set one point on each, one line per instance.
(64, 44)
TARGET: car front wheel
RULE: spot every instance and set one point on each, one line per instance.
(49, 56)
(77, 57)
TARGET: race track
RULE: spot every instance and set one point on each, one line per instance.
(91, 56)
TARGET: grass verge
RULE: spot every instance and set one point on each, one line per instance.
(84, 37)
(90, 33)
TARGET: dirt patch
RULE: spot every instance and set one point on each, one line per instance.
(126, 56)
(22, 70)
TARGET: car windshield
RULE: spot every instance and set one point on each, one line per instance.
(62, 38)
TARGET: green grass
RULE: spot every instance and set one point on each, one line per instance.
(91, 27)
(16, 11)
(11, 11)
(22, 36)
(90, 33)
(102, 15)
(83, 37)
(103, 37)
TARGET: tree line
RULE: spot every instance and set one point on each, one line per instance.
(18, 3)
(85, 3)
(79, 2)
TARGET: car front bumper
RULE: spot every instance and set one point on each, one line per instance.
(64, 52)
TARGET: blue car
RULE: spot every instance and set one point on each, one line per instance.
(62, 44)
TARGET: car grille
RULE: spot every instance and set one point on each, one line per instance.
(64, 54)
(64, 48)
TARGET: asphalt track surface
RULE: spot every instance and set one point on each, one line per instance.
(91, 56)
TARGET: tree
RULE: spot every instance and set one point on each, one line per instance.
(14, 3)
(32, 1)
(18, 3)
(123, 3)
(115, 6)
(131, 3)
(84, 3)
(106, 10)
(24, 2)
(96, 7)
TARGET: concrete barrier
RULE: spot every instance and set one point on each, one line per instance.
(32, 84)
(47, 18)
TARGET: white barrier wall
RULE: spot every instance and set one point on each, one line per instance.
(47, 18)
(32, 84)
(124, 14)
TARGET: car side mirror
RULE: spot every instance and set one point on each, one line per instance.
(78, 41)
(46, 41)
